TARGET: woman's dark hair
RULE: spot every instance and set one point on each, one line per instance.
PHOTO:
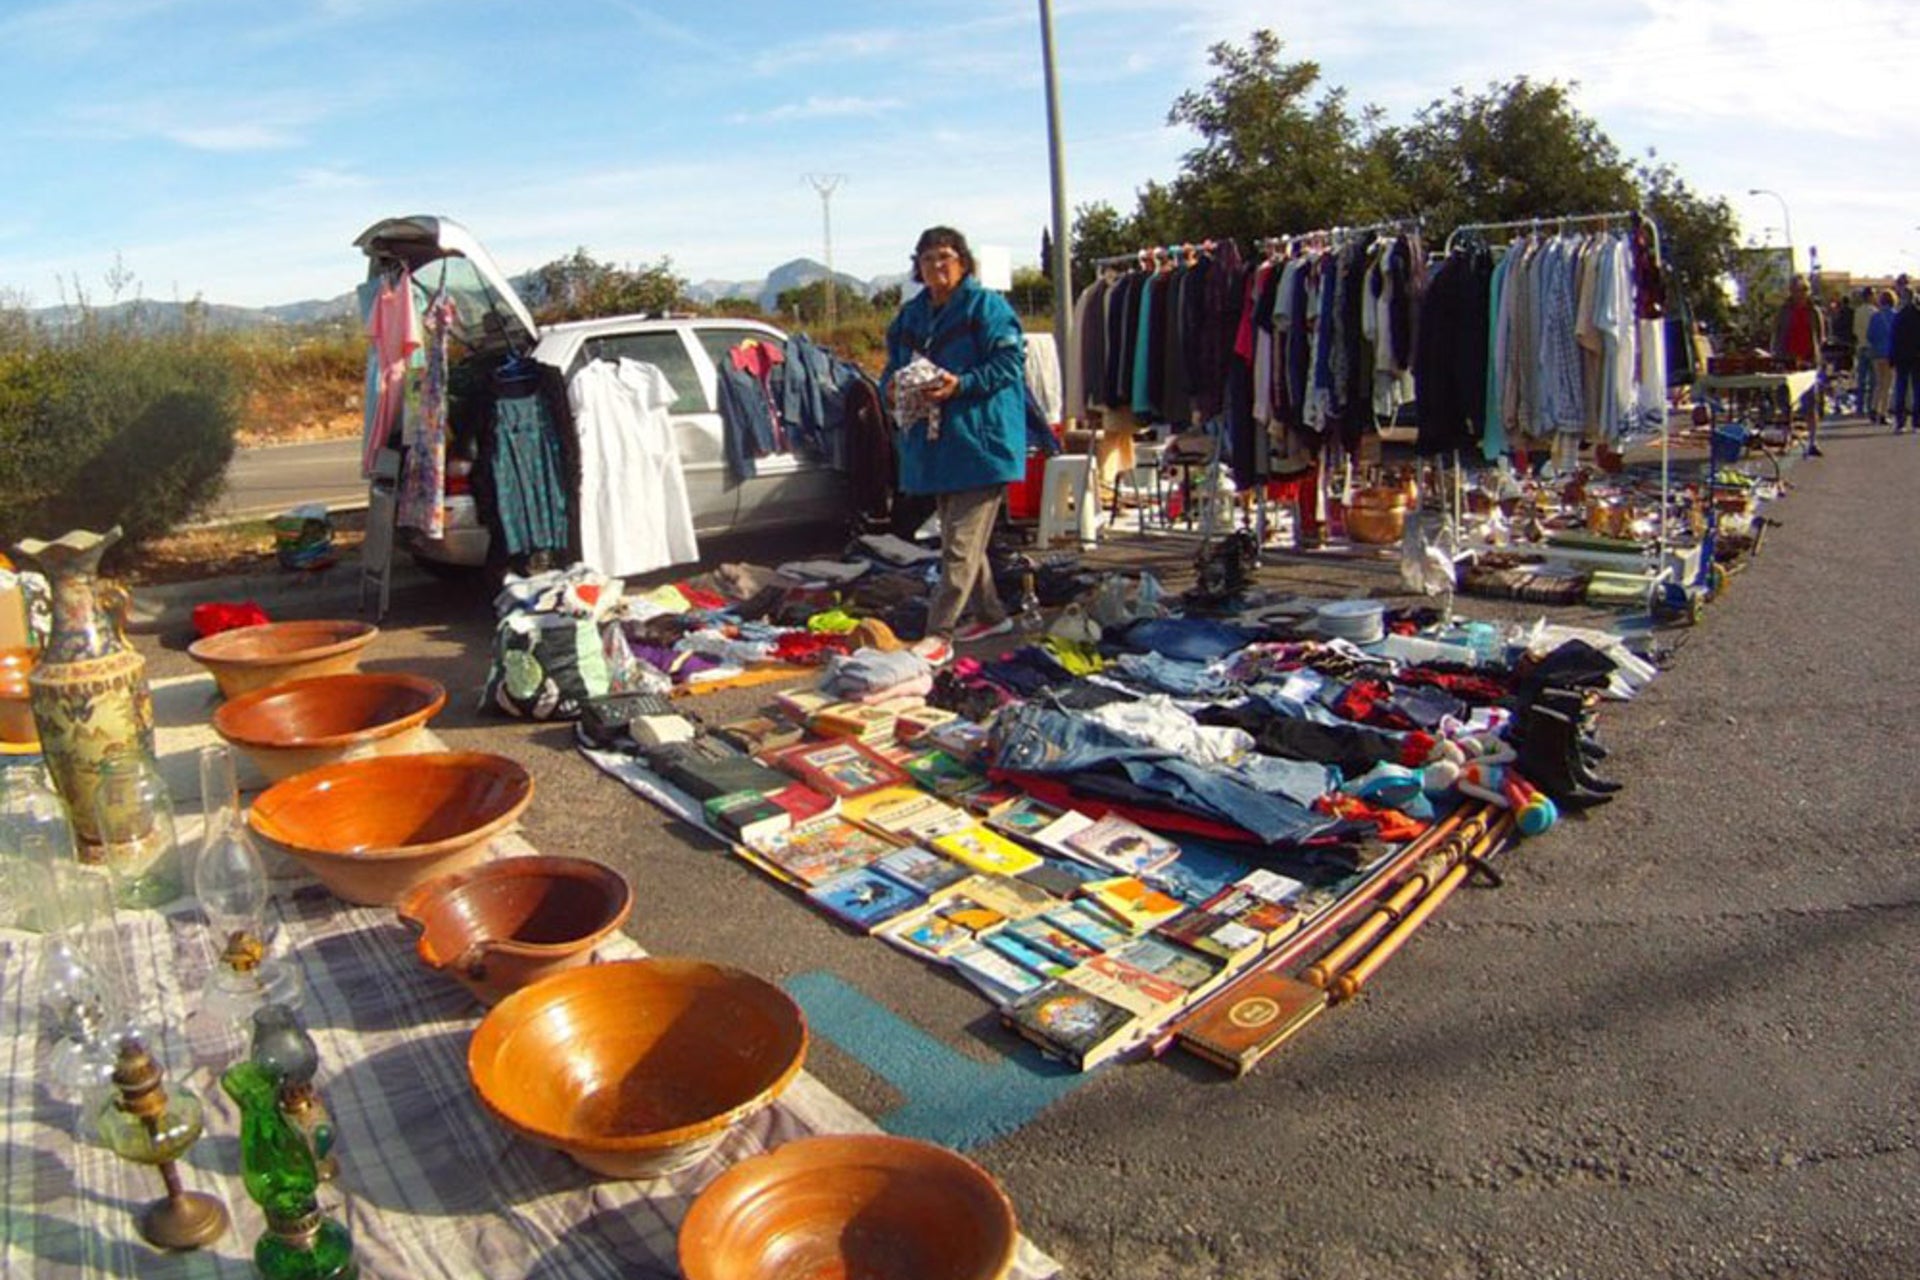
(942, 238)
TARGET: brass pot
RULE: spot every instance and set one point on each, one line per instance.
(1377, 516)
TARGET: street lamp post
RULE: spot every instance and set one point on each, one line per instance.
(1786, 218)
(1061, 266)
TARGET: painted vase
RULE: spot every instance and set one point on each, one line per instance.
(91, 703)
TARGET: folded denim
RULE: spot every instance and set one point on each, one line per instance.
(1172, 675)
(1301, 781)
(1187, 639)
(1035, 739)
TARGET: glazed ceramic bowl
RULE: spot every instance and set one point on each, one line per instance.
(639, 1067)
(289, 728)
(373, 829)
(866, 1205)
(248, 658)
(507, 924)
(16, 705)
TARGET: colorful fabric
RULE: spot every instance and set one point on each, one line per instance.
(423, 486)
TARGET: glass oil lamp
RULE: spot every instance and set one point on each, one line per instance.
(147, 1124)
(133, 813)
(282, 1046)
(230, 881)
(276, 1164)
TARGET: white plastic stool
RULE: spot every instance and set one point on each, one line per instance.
(1064, 506)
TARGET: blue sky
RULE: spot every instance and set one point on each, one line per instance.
(232, 149)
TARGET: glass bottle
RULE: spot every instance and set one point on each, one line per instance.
(230, 881)
(277, 1167)
(1028, 621)
(283, 1046)
(133, 814)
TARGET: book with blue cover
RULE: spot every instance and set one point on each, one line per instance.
(920, 869)
(865, 899)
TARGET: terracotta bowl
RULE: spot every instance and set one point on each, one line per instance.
(507, 924)
(866, 1205)
(373, 829)
(639, 1067)
(16, 706)
(289, 728)
(248, 658)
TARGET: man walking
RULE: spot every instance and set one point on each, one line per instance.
(1880, 349)
(1863, 385)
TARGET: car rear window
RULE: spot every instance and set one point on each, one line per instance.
(664, 349)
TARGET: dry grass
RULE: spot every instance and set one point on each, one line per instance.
(223, 551)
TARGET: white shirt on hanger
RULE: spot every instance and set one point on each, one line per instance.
(634, 512)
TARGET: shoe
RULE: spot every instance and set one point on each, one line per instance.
(976, 631)
(937, 651)
(1814, 451)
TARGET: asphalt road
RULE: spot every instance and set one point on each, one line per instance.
(1678, 1042)
(267, 481)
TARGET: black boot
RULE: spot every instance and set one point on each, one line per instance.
(1549, 758)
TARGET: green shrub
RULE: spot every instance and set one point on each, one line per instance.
(107, 427)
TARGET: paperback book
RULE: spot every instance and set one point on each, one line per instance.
(1147, 995)
(1024, 819)
(748, 816)
(999, 978)
(1089, 927)
(1131, 902)
(1013, 898)
(908, 813)
(760, 733)
(1048, 938)
(920, 869)
(842, 767)
(938, 772)
(925, 933)
(1126, 847)
(986, 850)
(1025, 954)
(817, 851)
(1195, 972)
(1074, 1024)
(864, 898)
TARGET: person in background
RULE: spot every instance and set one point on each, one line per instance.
(1906, 365)
(1880, 351)
(1863, 384)
(956, 367)
(1799, 331)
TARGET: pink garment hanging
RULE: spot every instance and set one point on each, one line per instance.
(394, 330)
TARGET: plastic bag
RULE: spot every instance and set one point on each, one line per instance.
(545, 666)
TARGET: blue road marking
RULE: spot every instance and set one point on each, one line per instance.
(950, 1098)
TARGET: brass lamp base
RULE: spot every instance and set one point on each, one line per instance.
(189, 1220)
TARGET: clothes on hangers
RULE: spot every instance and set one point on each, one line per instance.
(621, 416)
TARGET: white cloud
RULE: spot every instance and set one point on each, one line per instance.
(839, 47)
(817, 108)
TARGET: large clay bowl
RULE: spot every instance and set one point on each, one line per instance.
(507, 924)
(289, 728)
(866, 1205)
(249, 658)
(639, 1067)
(373, 829)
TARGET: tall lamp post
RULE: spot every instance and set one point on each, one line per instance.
(1786, 219)
(1060, 268)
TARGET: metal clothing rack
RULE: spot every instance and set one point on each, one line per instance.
(1157, 253)
(1558, 224)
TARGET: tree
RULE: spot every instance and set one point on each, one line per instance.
(1518, 150)
(1699, 238)
(810, 300)
(1269, 160)
(578, 288)
(1032, 292)
(1099, 231)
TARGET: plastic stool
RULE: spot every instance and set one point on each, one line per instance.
(1143, 487)
(1064, 508)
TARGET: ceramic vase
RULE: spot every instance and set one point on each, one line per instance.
(91, 703)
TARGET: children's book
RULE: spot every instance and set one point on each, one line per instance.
(864, 898)
(999, 978)
(1127, 847)
(1092, 928)
(1057, 835)
(985, 850)
(974, 916)
(842, 767)
(1068, 1022)
(920, 869)
(747, 815)
(925, 934)
(1250, 1019)
(817, 851)
(1131, 903)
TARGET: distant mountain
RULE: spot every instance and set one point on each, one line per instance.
(163, 317)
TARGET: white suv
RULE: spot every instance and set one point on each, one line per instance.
(786, 489)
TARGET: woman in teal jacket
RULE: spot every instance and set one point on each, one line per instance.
(979, 444)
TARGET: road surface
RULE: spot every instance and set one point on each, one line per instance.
(267, 481)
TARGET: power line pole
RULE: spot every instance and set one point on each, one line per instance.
(1061, 268)
(826, 184)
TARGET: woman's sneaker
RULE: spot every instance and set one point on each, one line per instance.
(936, 650)
(975, 631)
